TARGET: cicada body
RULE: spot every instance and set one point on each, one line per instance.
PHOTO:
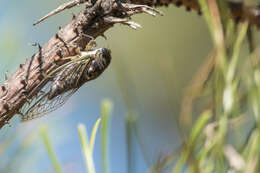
(88, 66)
(76, 74)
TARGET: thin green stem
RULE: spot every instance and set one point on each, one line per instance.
(106, 108)
(87, 153)
(236, 51)
(93, 135)
(47, 143)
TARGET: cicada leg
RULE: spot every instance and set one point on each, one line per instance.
(91, 45)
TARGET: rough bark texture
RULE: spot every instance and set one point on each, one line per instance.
(93, 21)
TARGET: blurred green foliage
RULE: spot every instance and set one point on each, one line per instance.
(183, 121)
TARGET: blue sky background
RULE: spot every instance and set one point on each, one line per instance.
(149, 69)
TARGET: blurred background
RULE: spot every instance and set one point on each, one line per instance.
(150, 68)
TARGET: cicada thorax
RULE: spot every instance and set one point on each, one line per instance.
(86, 70)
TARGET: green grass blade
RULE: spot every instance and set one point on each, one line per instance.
(86, 148)
(194, 136)
(199, 126)
(206, 13)
(47, 143)
(130, 135)
(236, 51)
(106, 109)
(211, 13)
(93, 135)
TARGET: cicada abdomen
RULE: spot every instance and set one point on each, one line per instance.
(88, 66)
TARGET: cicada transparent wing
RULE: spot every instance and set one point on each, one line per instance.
(67, 81)
(43, 105)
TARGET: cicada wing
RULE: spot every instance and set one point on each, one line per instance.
(43, 105)
(73, 72)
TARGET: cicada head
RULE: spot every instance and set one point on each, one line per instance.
(105, 56)
(99, 63)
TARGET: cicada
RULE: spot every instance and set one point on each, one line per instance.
(66, 81)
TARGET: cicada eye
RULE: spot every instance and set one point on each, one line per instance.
(106, 54)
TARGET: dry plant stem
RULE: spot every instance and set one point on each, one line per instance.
(93, 21)
(195, 89)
